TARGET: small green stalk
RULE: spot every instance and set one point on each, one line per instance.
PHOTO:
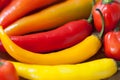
(118, 64)
(90, 17)
(118, 27)
(107, 1)
(94, 2)
(103, 24)
(1, 63)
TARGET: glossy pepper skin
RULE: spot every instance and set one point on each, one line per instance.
(4, 3)
(91, 70)
(111, 12)
(77, 53)
(51, 17)
(19, 8)
(112, 45)
(62, 37)
(7, 71)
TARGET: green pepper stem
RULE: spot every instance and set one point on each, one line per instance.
(118, 27)
(103, 24)
(107, 1)
(90, 17)
(118, 64)
(1, 63)
(94, 2)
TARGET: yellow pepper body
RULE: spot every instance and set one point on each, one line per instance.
(92, 70)
(77, 53)
(51, 17)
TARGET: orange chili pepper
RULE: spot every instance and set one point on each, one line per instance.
(18, 8)
(51, 17)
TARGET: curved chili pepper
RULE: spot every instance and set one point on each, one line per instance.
(18, 8)
(77, 53)
(111, 12)
(65, 36)
(112, 45)
(81, 71)
(51, 17)
(7, 71)
(4, 3)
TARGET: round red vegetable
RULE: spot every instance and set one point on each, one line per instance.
(7, 71)
(111, 12)
(112, 45)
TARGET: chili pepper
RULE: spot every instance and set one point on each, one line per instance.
(4, 3)
(7, 71)
(65, 36)
(51, 17)
(91, 70)
(62, 37)
(111, 44)
(74, 54)
(111, 12)
(19, 8)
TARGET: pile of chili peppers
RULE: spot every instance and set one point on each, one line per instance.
(54, 32)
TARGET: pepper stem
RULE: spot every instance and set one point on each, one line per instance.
(107, 1)
(1, 63)
(118, 64)
(94, 2)
(90, 17)
(118, 27)
(103, 24)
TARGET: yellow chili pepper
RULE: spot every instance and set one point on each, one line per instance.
(92, 70)
(77, 53)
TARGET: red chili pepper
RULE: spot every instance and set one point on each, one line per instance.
(111, 12)
(18, 8)
(59, 38)
(7, 71)
(4, 3)
(112, 45)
